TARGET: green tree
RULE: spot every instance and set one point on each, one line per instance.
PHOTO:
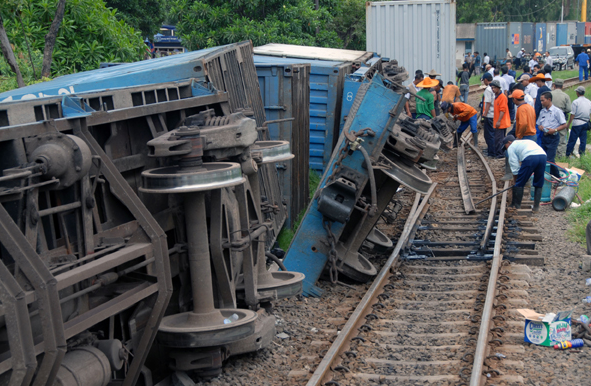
(208, 23)
(349, 22)
(89, 34)
(145, 16)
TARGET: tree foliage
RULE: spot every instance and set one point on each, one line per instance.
(208, 23)
(145, 16)
(89, 33)
(469, 11)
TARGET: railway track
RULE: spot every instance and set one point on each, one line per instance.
(570, 82)
(441, 310)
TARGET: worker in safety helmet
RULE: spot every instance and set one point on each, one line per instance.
(464, 113)
(525, 158)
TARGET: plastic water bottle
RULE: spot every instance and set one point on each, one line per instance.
(234, 317)
(575, 343)
(587, 299)
(584, 319)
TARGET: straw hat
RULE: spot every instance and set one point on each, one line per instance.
(433, 73)
(428, 83)
(539, 77)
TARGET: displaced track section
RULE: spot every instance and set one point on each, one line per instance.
(430, 318)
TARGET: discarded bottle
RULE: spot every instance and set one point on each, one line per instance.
(587, 299)
(584, 319)
(575, 343)
(234, 317)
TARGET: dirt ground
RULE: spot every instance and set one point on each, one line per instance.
(307, 326)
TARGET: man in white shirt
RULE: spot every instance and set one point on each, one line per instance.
(509, 54)
(488, 113)
(549, 59)
(531, 89)
(533, 62)
(525, 158)
(580, 114)
(518, 58)
(503, 82)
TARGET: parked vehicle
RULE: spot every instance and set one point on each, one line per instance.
(564, 57)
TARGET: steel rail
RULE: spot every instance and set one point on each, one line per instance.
(493, 205)
(463, 181)
(475, 88)
(487, 312)
(375, 289)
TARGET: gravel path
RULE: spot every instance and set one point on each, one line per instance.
(311, 324)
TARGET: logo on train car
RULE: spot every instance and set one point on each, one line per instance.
(515, 39)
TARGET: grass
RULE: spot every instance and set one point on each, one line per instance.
(579, 217)
(286, 235)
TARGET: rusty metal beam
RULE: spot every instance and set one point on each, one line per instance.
(487, 312)
(463, 180)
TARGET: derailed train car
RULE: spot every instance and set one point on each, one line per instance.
(133, 224)
(134, 220)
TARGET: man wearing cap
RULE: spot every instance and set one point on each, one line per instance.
(490, 69)
(464, 83)
(561, 100)
(582, 61)
(525, 117)
(580, 113)
(525, 158)
(467, 115)
(411, 103)
(426, 108)
(550, 121)
(501, 120)
(488, 113)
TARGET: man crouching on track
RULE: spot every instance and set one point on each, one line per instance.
(533, 161)
(465, 114)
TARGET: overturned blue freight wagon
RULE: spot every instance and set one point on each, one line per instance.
(216, 65)
(327, 75)
(285, 89)
(114, 200)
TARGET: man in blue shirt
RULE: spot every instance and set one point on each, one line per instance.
(583, 62)
(550, 122)
(525, 158)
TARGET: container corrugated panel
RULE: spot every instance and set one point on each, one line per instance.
(314, 53)
(326, 91)
(550, 35)
(561, 34)
(571, 32)
(492, 39)
(514, 37)
(229, 68)
(421, 35)
(540, 37)
(580, 39)
(285, 89)
(527, 30)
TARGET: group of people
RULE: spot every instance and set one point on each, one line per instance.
(532, 108)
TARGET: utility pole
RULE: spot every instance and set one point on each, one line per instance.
(584, 11)
(562, 11)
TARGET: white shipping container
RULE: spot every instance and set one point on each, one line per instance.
(421, 35)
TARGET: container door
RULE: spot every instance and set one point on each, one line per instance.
(571, 33)
(561, 34)
(514, 37)
(527, 40)
(541, 37)
(580, 39)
